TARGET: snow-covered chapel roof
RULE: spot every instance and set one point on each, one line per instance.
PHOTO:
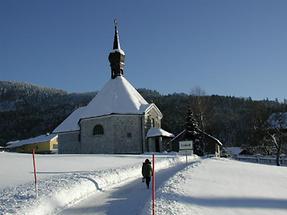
(71, 122)
(118, 96)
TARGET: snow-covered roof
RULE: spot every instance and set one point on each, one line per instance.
(278, 120)
(12, 142)
(71, 122)
(33, 140)
(233, 150)
(157, 132)
(211, 137)
(118, 96)
(154, 107)
(216, 140)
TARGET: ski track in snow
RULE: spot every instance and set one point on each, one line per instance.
(62, 191)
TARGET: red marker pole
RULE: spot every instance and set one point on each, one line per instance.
(153, 186)
(35, 175)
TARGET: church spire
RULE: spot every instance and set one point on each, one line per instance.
(117, 56)
(116, 37)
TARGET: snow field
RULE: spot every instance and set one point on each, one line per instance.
(59, 191)
(111, 184)
(226, 187)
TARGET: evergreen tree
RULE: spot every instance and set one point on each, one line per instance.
(191, 126)
(192, 133)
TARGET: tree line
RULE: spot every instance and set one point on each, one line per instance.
(27, 110)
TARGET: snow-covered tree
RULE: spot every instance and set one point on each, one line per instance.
(191, 126)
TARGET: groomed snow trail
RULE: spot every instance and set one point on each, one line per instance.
(130, 197)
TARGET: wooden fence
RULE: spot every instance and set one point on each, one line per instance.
(262, 159)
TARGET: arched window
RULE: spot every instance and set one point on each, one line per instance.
(98, 130)
(129, 135)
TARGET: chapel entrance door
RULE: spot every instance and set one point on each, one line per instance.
(157, 148)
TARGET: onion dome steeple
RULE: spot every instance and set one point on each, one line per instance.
(117, 56)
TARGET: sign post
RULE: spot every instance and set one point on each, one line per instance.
(153, 186)
(186, 147)
(35, 175)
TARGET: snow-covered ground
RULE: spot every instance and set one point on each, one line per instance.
(65, 179)
(111, 184)
(225, 187)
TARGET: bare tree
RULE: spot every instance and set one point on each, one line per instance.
(197, 91)
(276, 140)
(277, 133)
(198, 104)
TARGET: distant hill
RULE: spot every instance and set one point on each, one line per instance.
(27, 110)
(14, 94)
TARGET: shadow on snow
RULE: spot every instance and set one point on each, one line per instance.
(127, 199)
(231, 202)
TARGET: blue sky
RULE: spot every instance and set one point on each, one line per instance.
(227, 47)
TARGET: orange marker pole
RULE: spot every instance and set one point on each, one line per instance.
(153, 185)
(35, 174)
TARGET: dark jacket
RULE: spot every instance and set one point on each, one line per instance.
(146, 170)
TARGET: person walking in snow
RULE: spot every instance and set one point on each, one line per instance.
(147, 172)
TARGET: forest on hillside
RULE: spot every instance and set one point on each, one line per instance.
(27, 110)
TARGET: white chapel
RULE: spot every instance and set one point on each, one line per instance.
(117, 120)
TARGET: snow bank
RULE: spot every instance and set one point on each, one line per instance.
(166, 201)
(60, 191)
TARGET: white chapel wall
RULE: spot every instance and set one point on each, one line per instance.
(68, 143)
(122, 134)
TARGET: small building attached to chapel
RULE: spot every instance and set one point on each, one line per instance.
(117, 120)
